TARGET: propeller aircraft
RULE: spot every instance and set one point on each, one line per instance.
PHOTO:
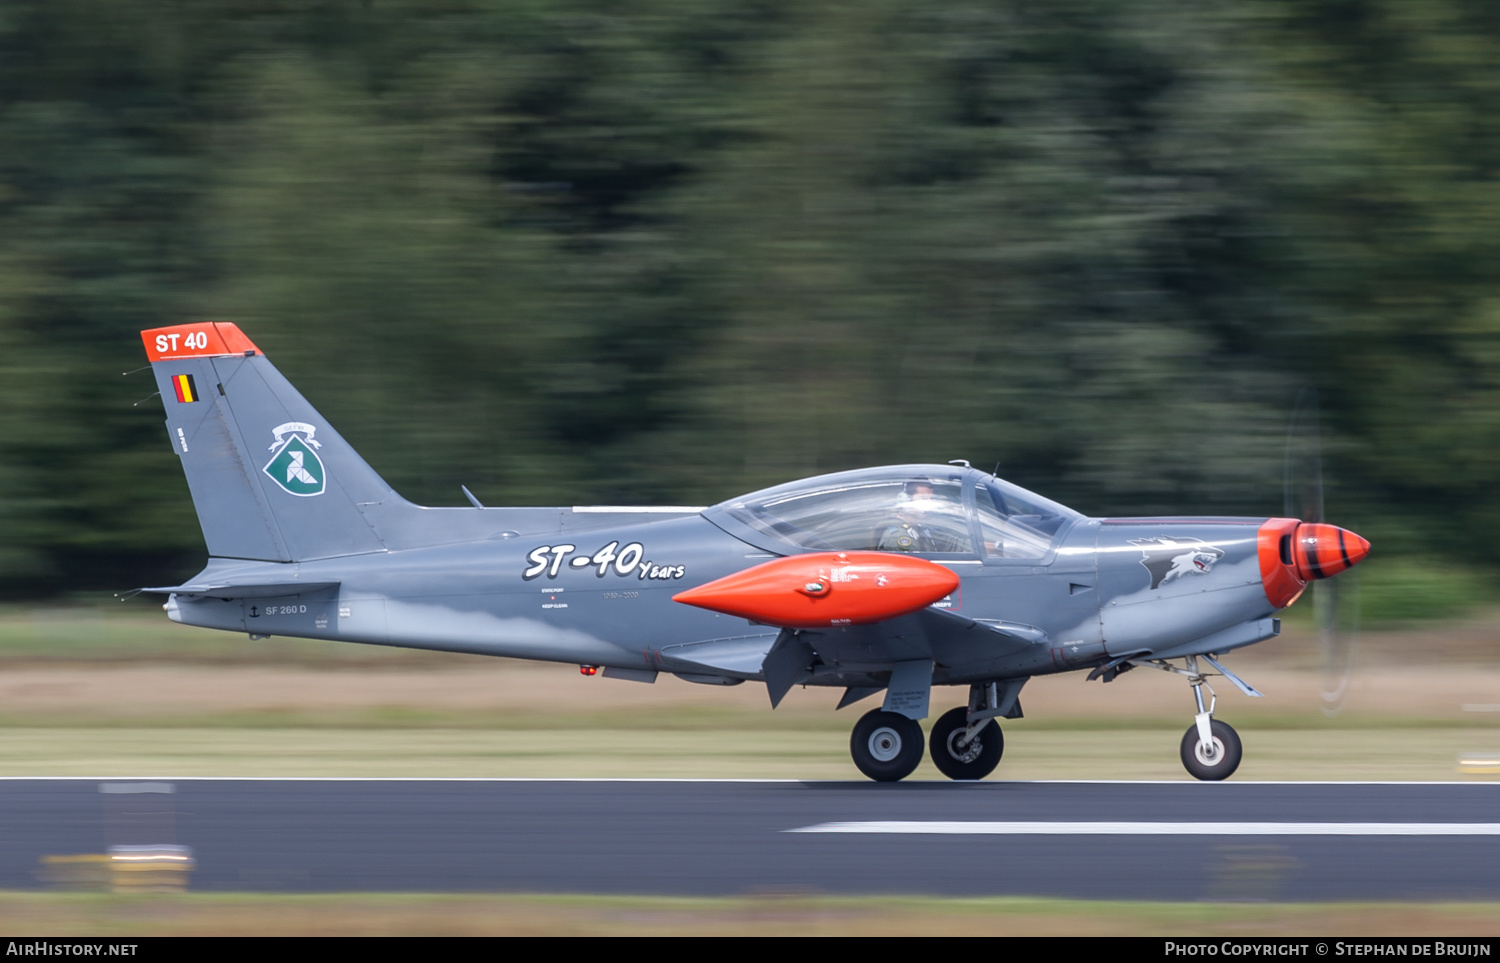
(883, 581)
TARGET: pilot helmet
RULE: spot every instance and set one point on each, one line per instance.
(917, 495)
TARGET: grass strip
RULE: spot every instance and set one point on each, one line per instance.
(760, 914)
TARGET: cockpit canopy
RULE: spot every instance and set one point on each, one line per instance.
(928, 509)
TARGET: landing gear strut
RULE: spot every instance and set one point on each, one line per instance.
(886, 746)
(1211, 749)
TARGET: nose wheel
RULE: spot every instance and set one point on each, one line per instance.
(886, 746)
(1214, 759)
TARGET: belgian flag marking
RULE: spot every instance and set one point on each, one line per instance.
(186, 390)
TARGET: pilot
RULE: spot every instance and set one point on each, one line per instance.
(910, 531)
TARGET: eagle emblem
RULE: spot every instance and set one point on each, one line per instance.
(295, 466)
(1167, 558)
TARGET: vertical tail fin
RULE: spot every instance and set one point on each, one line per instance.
(270, 477)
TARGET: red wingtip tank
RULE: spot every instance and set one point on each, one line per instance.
(826, 589)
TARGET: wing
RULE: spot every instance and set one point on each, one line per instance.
(791, 656)
(852, 619)
(931, 636)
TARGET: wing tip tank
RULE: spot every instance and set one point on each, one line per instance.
(826, 589)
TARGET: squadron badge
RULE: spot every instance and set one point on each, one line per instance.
(1167, 558)
(295, 465)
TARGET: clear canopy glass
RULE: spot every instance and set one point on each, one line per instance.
(905, 508)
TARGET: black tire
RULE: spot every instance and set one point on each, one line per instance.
(975, 760)
(1226, 757)
(886, 746)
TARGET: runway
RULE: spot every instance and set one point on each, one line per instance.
(1115, 840)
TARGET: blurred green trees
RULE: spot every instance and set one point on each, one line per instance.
(672, 251)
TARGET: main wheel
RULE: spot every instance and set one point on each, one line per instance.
(974, 759)
(1217, 763)
(886, 746)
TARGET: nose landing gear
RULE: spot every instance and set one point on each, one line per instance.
(1211, 749)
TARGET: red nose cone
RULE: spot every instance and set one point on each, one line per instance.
(827, 588)
(1323, 551)
(1292, 553)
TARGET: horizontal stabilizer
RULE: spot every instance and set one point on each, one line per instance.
(260, 590)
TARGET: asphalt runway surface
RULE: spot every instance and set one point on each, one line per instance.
(1103, 840)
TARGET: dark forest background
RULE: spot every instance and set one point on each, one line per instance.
(573, 251)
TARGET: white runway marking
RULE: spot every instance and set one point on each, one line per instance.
(955, 828)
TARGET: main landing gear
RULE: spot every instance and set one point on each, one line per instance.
(886, 745)
(964, 752)
(966, 742)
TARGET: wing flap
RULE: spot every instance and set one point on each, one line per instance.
(742, 654)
